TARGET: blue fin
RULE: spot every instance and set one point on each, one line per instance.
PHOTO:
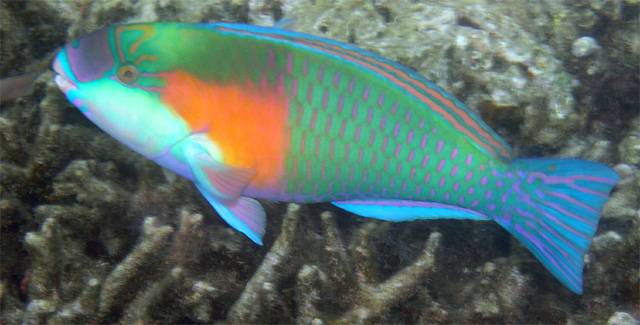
(243, 214)
(557, 212)
(287, 23)
(398, 210)
(222, 186)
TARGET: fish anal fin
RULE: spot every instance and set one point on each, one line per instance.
(404, 210)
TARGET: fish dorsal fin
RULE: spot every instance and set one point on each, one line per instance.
(441, 103)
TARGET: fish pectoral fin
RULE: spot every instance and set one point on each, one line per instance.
(404, 210)
(223, 181)
(222, 185)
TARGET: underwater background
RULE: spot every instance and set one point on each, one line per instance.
(95, 233)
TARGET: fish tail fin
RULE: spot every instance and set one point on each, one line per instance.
(555, 211)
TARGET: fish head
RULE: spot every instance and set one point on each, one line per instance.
(113, 76)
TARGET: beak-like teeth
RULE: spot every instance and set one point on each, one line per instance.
(63, 83)
(61, 79)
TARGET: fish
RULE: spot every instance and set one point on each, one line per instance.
(248, 112)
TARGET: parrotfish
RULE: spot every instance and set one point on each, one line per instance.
(250, 112)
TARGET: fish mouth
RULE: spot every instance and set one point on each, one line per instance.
(61, 79)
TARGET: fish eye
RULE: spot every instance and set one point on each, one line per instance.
(128, 73)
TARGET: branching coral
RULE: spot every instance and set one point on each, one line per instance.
(349, 280)
(354, 279)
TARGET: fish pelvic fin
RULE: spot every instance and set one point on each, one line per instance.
(222, 185)
(555, 213)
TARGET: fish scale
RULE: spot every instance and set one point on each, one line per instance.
(373, 135)
(250, 112)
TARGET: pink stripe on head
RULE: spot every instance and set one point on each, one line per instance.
(469, 175)
(484, 180)
(468, 162)
(384, 144)
(365, 96)
(407, 117)
(373, 160)
(370, 116)
(399, 169)
(454, 153)
(396, 130)
(372, 138)
(340, 102)
(394, 108)
(351, 173)
(413, 172)
(383, 122)
(421, 124)
(386, 164)
(418, 189)
(471, 190)
(336, 79)
(456, 186)
(454, 170)
(323, 171)
(411, 154)
(360, 154)
(302, 143)
(381, 100)
(357, 136)
(338, 172)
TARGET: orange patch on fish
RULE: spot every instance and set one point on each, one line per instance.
(248, 122)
